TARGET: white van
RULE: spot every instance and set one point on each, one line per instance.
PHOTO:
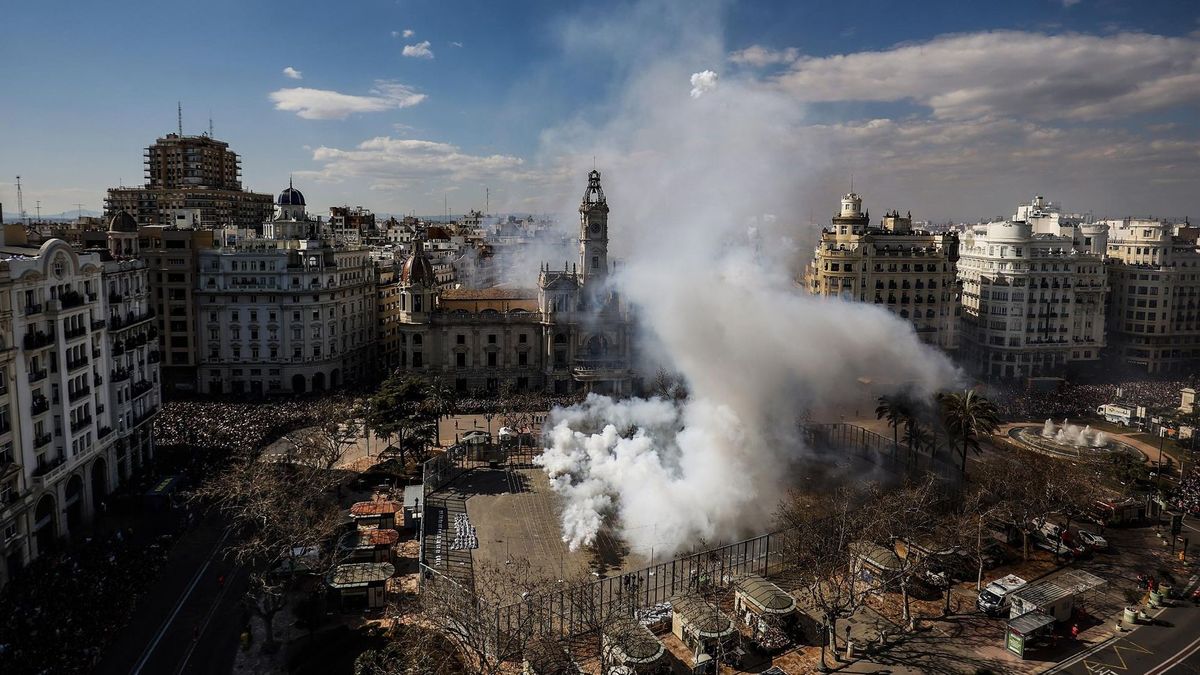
(994, 598)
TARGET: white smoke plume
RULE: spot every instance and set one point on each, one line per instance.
(690, 181)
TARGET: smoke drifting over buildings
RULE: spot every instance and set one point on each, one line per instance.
(687, 178)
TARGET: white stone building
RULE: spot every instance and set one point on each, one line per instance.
(286, 313)
(909, 272)
(63, 415)
(1032, 304)
(1154, 305)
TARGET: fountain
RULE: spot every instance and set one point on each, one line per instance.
(1068, 440)
(1071, 435)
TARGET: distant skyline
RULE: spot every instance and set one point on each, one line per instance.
(955, 111)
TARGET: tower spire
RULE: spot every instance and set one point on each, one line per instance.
(179, 116)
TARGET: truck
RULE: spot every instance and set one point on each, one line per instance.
(1125, 415)
(995, 597)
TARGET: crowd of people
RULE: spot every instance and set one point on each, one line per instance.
(1078, 400)
(63, 613)
(235, 425)
(475, 405)
(1187, 495)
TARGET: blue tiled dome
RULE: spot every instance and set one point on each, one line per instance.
(290, 197)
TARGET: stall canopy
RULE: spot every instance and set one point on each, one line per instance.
(766, 597)
(700, 616)
(636, 642)
(372, 509)
(1029, 623)
(368, 539)
(359, 575)
(1041, 594)
(1076, 582)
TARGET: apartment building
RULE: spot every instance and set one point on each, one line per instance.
(171, 255)
(1154, 304)
(910, 272)
(63, 417)
(1032, 304)
(190, 175)
(291, 313)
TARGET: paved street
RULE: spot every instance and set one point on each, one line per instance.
(189, 621)
(1170, 644)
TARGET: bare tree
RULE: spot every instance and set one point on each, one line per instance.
(282, 517)
(469, 617)
(822, 530)
(413, 649)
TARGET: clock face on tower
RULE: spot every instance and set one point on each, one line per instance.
(595, 227)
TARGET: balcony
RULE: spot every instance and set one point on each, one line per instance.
(154, 356)
(139, 388)
(96, 353)
(73, 333)
(77, 363)
(104, 431)
(39, 405)
(78, 394)
(98, 324)
(118, 323)
(71, 300)
(97, 380)
(81, 424)
(32, 309)
(37, 375)
(37, 340)
(48, 472)
(120, 376)
(115, 298)
(91, 297)
(151, 412)
(42, 440)
(118, 349)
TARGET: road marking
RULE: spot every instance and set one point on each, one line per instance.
(1107, 643)
(187, 656)
(1176, 659)
(162, 630)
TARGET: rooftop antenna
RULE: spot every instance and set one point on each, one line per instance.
(79, 211)
(487, 200)
(851, 181)
(21, 203)
(179, 115)
(38, 206)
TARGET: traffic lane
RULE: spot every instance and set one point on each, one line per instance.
(187, 628)
(214, 653)
(189, 555)
(1173, 640)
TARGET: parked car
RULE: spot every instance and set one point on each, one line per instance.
(994, 555)
(1093, 540)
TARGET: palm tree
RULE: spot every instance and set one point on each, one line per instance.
(891, 409)
(967, 415)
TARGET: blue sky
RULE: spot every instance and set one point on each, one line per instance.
(489, 91)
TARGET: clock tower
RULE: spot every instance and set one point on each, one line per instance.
(593, 233)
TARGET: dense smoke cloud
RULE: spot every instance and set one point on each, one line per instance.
(690, 181)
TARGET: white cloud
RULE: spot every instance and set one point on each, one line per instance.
(1070, 3)
(384, 162)
(1040, 76)
(418, 51)
(702, 82)
(324, 104)
(455, 44)
(759, 56)
(408, 32)
(292, 73)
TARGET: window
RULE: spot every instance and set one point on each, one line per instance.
(522, 338)
(595, 262)
(460, 339)
(417, 360)
(491, 359)
(522, 358)
(492, 339)
(460, 360)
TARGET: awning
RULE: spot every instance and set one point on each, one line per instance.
(1029, 623)
(765, 596)
(359, 575)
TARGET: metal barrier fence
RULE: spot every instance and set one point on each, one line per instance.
(572, 610)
